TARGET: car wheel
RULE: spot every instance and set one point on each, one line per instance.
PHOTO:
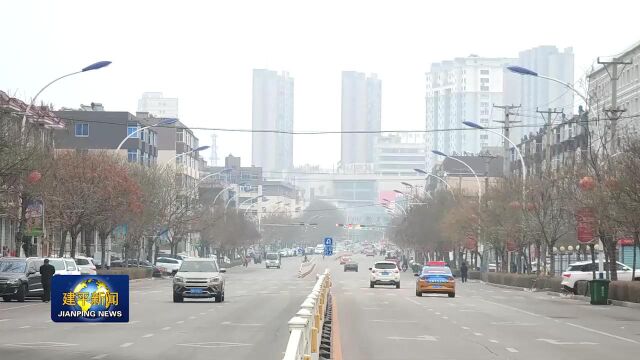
(217, 298)
(222, 297)
(452, 295)
(278, 266)
(22, 293)
(371, 284)
(177, 298)
(398, 286)
(418, 293)
(6, 298)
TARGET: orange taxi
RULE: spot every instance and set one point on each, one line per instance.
(435, 280)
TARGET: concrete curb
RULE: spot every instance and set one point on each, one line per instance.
(311, 268)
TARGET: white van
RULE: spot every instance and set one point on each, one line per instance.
(272, 260)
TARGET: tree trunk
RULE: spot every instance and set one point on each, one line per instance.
(63, 243)
(74, 242)
(87, 237)
(613, 259)
(20, 238)
(103, 243)
(552, 260)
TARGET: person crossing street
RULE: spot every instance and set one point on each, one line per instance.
(46, 274)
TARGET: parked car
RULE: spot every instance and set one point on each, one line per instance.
(351, 266)
(199, 278)
(20, 278)
(65, 266)
(583, 270)
(168, 265)
(86, 265)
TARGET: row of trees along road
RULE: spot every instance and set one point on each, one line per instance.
(605, 184)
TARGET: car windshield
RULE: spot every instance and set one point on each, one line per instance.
(81, 261)
(427, 270)
(12, 266)
(272, 256)
(198, 266)
(385, 266)
(58, 264)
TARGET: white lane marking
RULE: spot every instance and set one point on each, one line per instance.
(18, 307)
(437, 313)
(604, 333)
(371, 308)
(25, 327)
(395, 321)
(466, 328)
(237, 324)
(511, 308)
(347, 293)
(191, 317)
(166, 328)
(147, 335)
(203, 313)
(556, 342)
(101, 356)
(214, 344)
(513, 323)
(41, 344)
(477, 334)
(126, 345)
(512, 350)
(180, 322)
(419, 338)
(413, 301)
(1, 320)
(445, 317)
(493, 341)
(468, 310)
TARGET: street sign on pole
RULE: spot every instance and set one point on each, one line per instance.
(328, 246)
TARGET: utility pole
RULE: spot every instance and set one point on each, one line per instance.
(613, 113)
(549, 130)
(506, 128)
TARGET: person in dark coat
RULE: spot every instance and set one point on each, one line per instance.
(464, 271)
(46, 274)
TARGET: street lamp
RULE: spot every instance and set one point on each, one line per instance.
(524, 167)
(528, 72)
(94, 66)
(213, 208)
(161, 123)
(470, 169)
(201, 148)
(226, 170)
(420, 171)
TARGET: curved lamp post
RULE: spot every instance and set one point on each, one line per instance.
(420, 171)
(528, 72)
(94, 66)
(524, 166)
(201, 148)
(214, 174)
(161, 123)
(470, 169)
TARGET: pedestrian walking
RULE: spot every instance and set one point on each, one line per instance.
(46, 274)
(464, 271)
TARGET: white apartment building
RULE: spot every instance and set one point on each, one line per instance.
(157, 105)
(399, 154)
(464, 89)
(628, 97)
(272, 109)
(536, 94)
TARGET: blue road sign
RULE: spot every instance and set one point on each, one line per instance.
(328, 250)
(328, 241)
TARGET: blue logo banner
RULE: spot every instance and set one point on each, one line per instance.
(90, 298)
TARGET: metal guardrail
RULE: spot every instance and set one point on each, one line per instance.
(306, 326)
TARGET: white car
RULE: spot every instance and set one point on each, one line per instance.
(319, 249)
(168, 265)
(284, 252)
(65, 266)
(86, 265)
(272, 260)
(583, 270)
(384, 273)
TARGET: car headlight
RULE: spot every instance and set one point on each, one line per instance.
(178, 279)
(214, 280)
(13, 281)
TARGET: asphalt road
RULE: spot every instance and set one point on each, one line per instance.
(250, 324)
(481, 322)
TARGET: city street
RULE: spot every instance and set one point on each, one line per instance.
(481, 322)
(252, 320)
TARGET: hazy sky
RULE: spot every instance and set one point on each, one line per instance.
(204, 51)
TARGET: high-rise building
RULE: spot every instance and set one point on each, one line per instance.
(361, 111)
(464, 89)
(542, 95)
(399, 154)
(157, 105)
(272, 109)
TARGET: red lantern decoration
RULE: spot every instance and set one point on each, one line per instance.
(34, 177)
(587, 183)
(531, 206)
(470, 243)
(625, 242)
(511, 245)
(611, 183)
(585, 219)
(514, 205)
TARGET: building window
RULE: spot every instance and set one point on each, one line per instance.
(142, 135)
(484, 88)
(484, 80)
(132, 155)
(131, 129)
(179, 135)
(82, 130)
(484, 137)
(484, 72)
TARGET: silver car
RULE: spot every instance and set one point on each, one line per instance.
(199, 278)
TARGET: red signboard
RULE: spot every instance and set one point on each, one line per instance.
(585, 220)
(470, 242)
